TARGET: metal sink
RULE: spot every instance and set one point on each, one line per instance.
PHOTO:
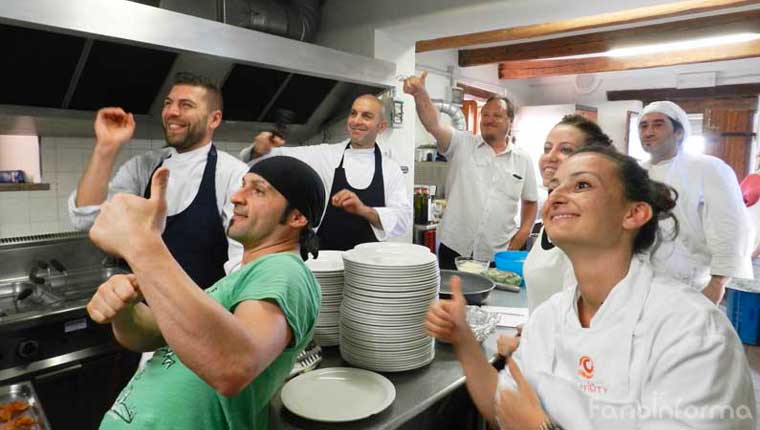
(13, 300)
(81, 284)
(59, 291)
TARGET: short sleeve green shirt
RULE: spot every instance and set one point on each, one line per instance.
(167, 395)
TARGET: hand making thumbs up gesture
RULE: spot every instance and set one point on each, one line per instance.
(414, 85)
(126, 220)
(446, 319)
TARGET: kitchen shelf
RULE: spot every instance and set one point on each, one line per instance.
(24, 187)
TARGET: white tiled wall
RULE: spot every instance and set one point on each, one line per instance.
(63, 161)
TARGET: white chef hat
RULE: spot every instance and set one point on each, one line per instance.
(672, 110)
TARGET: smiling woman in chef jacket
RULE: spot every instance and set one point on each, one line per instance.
(623, 347)
(546, 264)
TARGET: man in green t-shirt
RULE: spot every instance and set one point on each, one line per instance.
(221, 354)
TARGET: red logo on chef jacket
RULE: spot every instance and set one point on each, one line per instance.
(586, 367)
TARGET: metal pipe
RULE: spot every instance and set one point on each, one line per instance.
(458, 120)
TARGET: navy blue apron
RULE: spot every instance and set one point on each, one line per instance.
(196, 236)
(341, 230)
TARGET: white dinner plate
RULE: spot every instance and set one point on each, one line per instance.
(394, 246)
(367, 392)
(388, 260)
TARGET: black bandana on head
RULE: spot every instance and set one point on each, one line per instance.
(302, 188)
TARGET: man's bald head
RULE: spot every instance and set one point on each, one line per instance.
(373, 99)
(366, 120)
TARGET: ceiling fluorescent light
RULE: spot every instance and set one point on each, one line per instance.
(706, 42)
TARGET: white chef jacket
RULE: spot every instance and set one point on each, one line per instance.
(546, 272)
(713, 226)
(359, 165)
(186, 173)
(753, 214)
(682, 356)
(484, 192)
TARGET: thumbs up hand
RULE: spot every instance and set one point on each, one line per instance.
(126, 220)
(414, 85)
(446, 319)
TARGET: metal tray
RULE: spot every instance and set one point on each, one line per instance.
(23, 391)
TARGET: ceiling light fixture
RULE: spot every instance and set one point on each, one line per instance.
(657, 48)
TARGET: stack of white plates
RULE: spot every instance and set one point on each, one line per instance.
(389, 287)
(328, 269)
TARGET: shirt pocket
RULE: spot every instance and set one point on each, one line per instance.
(502, 210)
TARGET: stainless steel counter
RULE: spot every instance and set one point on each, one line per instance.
(416, 391)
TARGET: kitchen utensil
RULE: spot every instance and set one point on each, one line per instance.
(475, 288)
(282, 119)
(307, 360)
(338, 394)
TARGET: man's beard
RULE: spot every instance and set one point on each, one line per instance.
(193, 136)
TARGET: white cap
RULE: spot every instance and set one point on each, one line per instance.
(672, 110)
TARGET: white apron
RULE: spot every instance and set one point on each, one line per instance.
(546, 272)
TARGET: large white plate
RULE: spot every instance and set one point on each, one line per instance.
(323, 394)
(377, 258)
(393, 246)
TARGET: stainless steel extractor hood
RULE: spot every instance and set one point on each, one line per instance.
(65, 59)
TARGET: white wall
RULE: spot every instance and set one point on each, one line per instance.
(399, 142)
(63, 161)
(533, 123)
(21, 153)
(563, 89)
(612, 118)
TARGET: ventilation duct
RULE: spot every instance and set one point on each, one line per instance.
(294, 19)
(454, 112)
(125, 53)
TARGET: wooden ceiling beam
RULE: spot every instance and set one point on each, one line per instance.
(603, 41)
(581, 23)
(475, 91)
(720, 91)
(541, 68)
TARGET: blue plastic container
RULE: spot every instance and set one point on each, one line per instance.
(511, 261)
(743, 309)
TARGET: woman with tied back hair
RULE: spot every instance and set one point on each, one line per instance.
(546, 266)
(622, 347)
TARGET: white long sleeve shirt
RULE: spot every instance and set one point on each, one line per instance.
(186, 173)
(713, 227)
(687, 368)
(359, 164)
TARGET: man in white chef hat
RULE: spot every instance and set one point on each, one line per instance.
(712, 244)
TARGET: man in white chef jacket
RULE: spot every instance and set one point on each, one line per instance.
(488, 182)
(200, 186)
(712, 245)
(368, 198)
